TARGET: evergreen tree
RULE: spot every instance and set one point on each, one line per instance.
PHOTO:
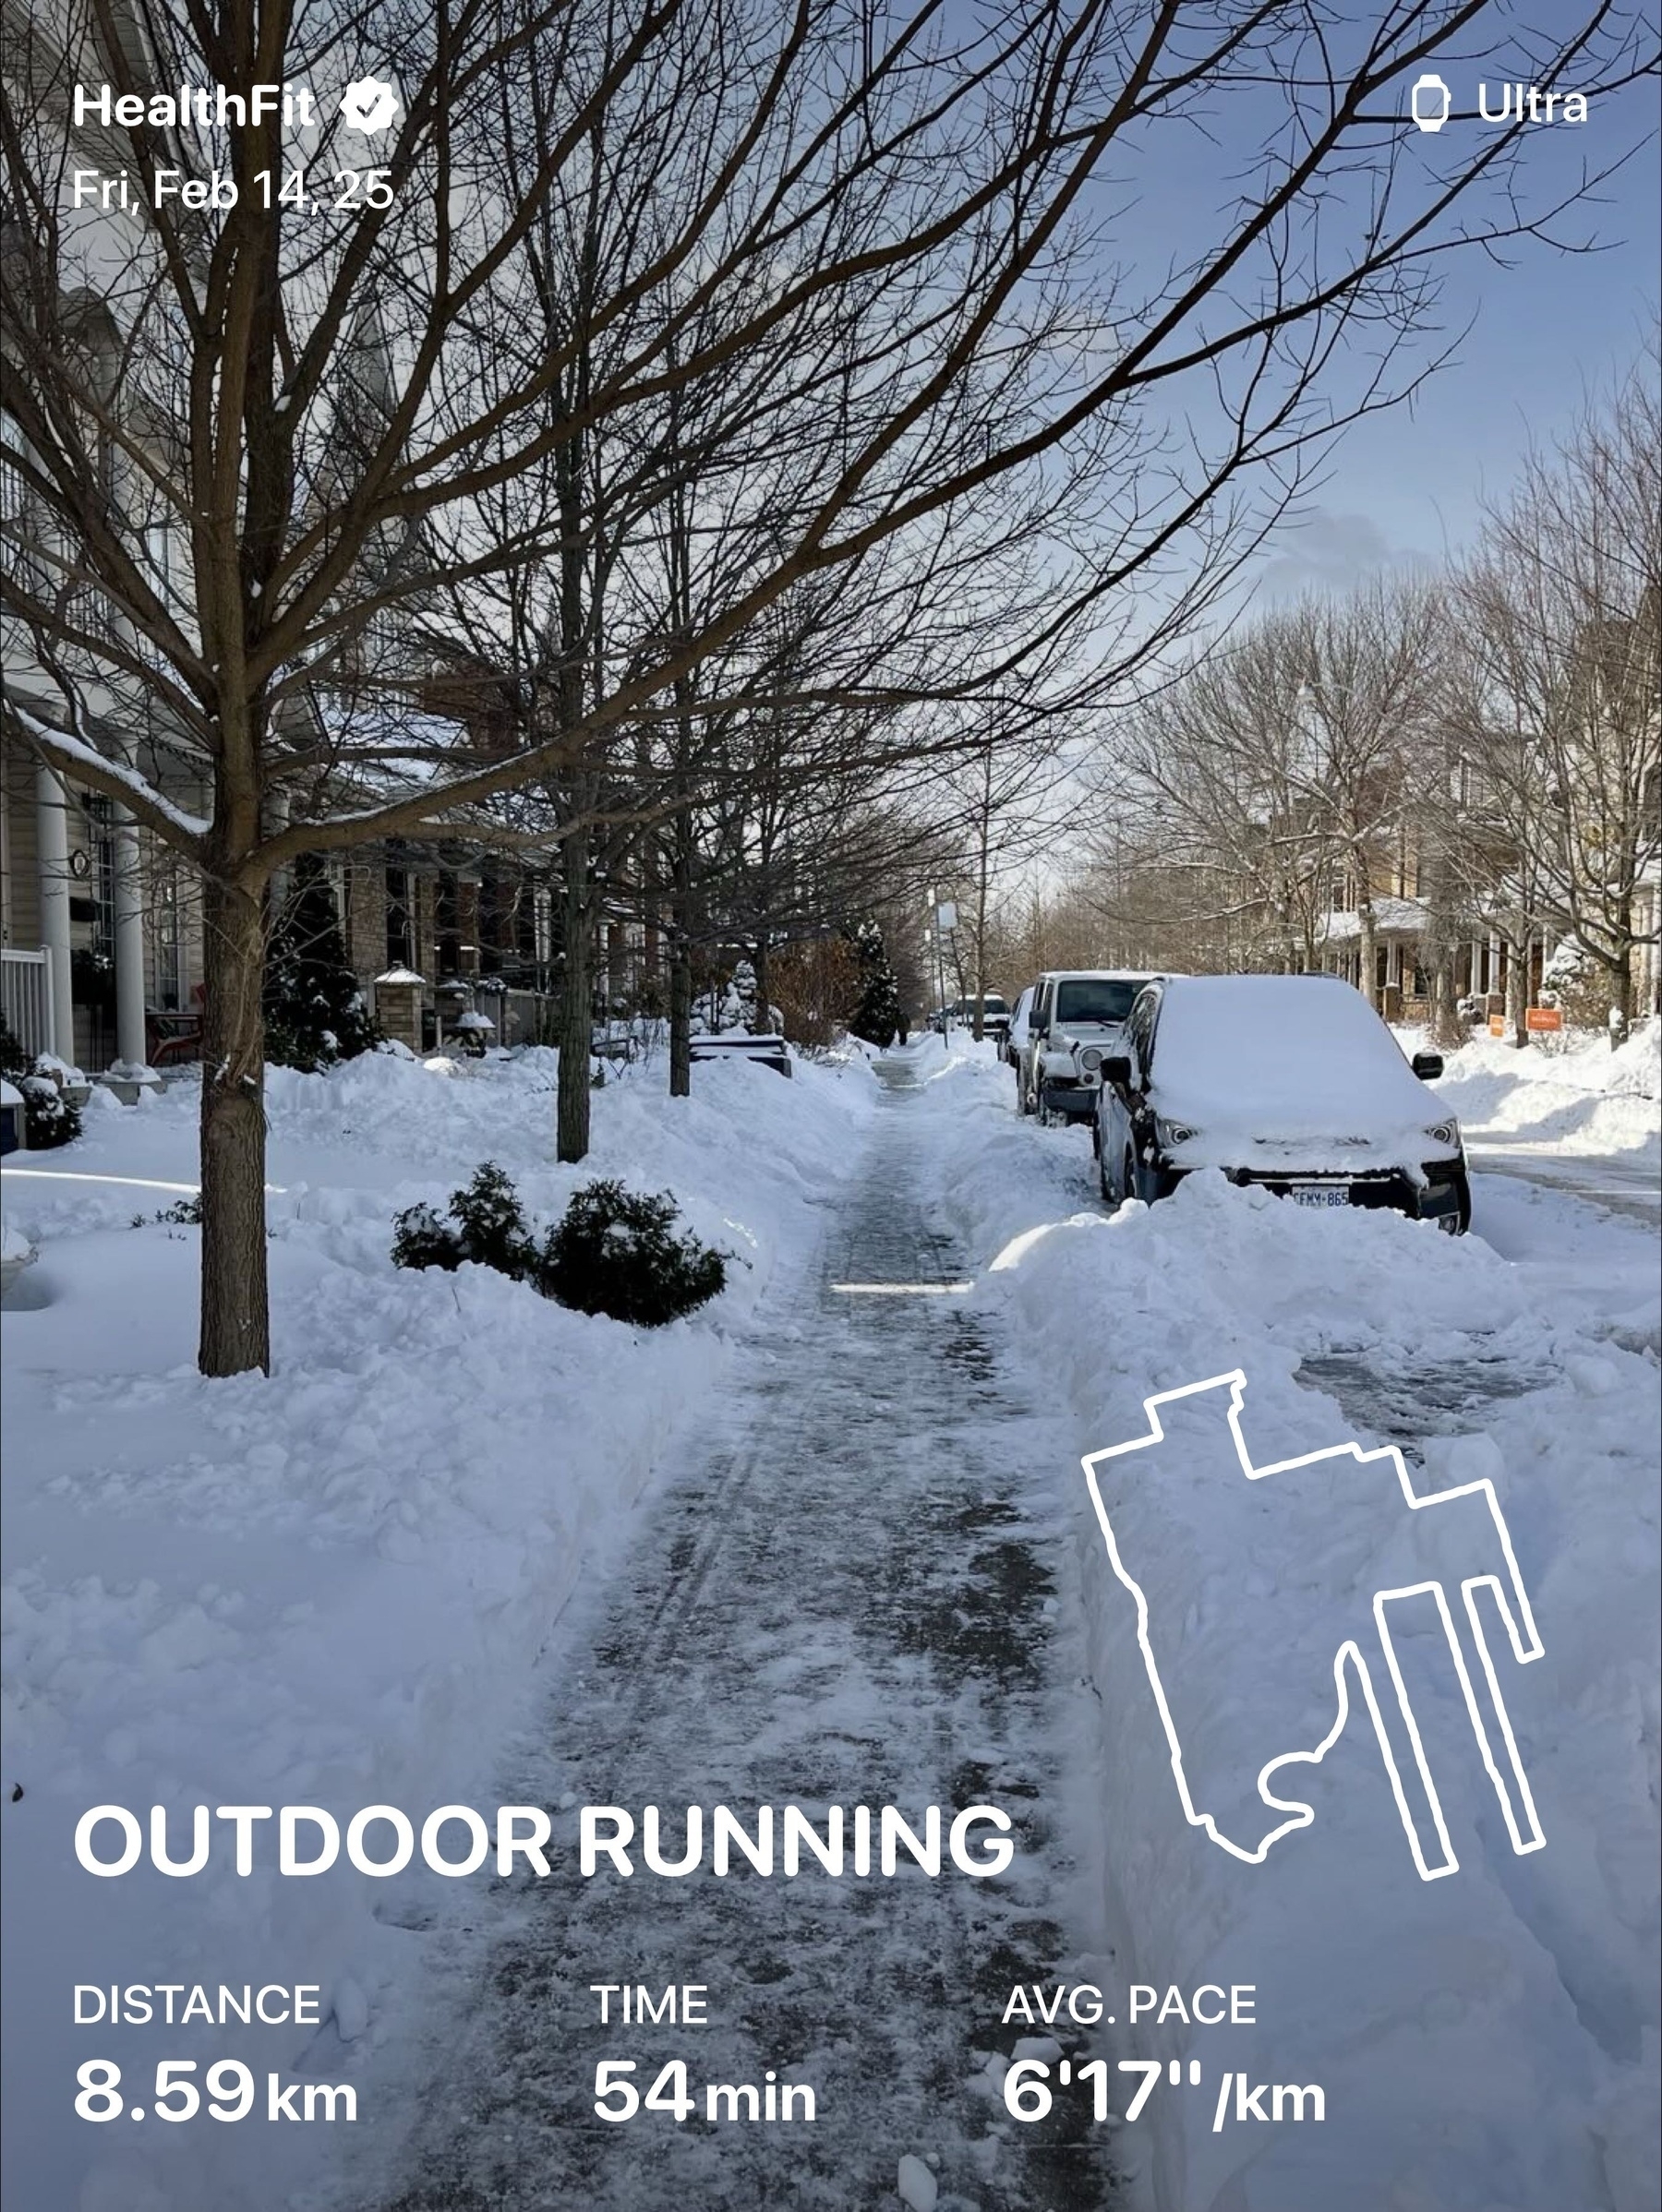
(876, 1015)
(315, 1013)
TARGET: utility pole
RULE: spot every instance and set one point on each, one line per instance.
(945, 918)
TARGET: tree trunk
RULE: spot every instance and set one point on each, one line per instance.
(681, 962)
(572, 1115)
(1368, 952)
(1622, 999)
(235, 1319)
(1445, 1025)
(680, 1017)
(1517, 991)
(983, 870)
(762, 1017)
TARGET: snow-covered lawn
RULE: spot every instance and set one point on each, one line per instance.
(1489, 2040)
(326, 1588)
(1577, 1097)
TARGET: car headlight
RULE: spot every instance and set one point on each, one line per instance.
(1174, 1132)
(1089, 1059)
(1446, 1133)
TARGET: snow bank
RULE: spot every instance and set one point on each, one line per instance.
(1578, 1097)
(329, 1587)
(1486, 2040)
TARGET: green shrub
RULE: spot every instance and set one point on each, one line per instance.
(185, 1213)
(49, 1118)
(487, 1225)
(615, 1252)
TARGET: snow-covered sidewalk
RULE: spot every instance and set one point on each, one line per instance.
(330, 1586)
(1485, 2040)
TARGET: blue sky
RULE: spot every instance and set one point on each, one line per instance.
(1549, 331)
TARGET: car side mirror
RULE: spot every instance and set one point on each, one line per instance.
(1116, 1069)
(1427, 1066)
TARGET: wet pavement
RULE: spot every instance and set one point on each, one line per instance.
(1622, 1185)
(844, 1599)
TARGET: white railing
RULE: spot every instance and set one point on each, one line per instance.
(26, 998)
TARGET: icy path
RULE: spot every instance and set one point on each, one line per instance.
(1619, 1183)
(847, 1600)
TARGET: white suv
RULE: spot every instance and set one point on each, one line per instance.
(1078, 1017)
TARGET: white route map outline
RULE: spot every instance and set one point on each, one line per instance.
(1525, 1832)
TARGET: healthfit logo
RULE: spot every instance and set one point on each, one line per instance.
(367, 106)
(1431, 102)
(196, 107)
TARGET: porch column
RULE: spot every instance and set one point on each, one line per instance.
(131, 1044)
(52, 846)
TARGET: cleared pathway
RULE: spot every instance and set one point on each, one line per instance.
(844, 1599)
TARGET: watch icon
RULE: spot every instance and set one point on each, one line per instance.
(1429, 101)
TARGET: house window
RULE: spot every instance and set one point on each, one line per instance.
(167, 938)
(446, 934)
(18, 521)
(400, 936)
(157, 557)
(100, 882)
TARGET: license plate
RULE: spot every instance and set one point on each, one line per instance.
(1321, 1194)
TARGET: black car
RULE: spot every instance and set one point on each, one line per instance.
(1292, 1082)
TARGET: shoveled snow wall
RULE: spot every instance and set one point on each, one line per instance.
(1488, 2039)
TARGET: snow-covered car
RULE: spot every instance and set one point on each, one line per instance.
(1289, 1081)
(1079, 1016)
(1014, 1041)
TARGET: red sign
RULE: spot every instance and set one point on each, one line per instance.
(1543, 1017)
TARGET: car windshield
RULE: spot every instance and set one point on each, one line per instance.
(1095, 999)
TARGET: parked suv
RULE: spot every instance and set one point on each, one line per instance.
(1078, 1014)
(1289, 1081)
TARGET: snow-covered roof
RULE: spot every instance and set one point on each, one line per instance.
(401, 974)
(1392, 916)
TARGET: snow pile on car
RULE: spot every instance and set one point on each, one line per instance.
(1295, 1070)
(330, 1587)
(1489, 2038)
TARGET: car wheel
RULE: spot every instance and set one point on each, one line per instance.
(1128, 1175)
(1463, 1219)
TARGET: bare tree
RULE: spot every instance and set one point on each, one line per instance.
(1213, 787)
(1368, 668)
(1562, 624)
(316, 391)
